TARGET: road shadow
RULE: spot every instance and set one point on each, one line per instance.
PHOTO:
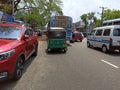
(10, 84)
(55, 52)
(111, 53)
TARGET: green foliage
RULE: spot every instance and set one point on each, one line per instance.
(37, 12)
(88, 18)
(7, 8)
(98, 23)
(107, 15)
(84, 19)
(111, 14)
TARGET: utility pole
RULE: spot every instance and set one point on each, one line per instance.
(13, 7)
(102, 14)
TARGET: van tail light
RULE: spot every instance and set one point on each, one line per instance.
(111, 40)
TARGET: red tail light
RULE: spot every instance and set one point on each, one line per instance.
(111, 40)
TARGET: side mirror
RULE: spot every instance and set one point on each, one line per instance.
(26, 37)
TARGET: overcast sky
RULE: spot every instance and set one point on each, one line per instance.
(75, 8)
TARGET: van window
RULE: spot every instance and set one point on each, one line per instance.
(104, 24)
(117, 23)
(116, 32)
(99, 33)
(92, 33)
(106, 32)
(110, 23)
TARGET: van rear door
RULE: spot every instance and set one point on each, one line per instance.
(116, 37)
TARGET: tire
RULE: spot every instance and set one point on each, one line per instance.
(48, 50)
(88, 44)
(119, 50)
(18, 69)
(80, 40)
(36, 51)
(71, 41)
(65, 50)
(104, 49)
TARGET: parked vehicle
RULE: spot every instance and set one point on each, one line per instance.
(106, 37)
(17, 44)
(56, 39)
(77, 36)
(111, 22)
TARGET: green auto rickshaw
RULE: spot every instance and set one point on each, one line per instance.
(56, 39)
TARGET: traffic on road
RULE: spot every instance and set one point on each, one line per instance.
(79, 68)
(41, 48)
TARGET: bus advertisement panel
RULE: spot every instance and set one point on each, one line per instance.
(62, 21)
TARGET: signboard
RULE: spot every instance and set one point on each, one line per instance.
(61, 23)
(61, 17)
(6, 17)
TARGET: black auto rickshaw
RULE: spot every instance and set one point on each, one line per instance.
(56, 39)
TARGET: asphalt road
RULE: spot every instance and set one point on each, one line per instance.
(81, 68)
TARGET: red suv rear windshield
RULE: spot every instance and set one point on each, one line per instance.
(9, 32)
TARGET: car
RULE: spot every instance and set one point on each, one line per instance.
(78, 36)
(17, 44)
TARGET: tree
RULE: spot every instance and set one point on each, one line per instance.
(107, 15)
(38, 12)
(6, 6)
(88, 18)
(111, 14)
(98, 23)
(84, 19)
(35, 12)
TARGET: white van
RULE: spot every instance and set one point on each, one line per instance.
(106, 38)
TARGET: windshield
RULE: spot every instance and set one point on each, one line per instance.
(9, 32)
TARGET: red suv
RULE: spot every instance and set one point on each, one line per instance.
(17, 44)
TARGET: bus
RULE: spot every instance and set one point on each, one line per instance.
(64, 22)
(111, 22)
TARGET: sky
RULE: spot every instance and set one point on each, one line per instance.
(76, 8)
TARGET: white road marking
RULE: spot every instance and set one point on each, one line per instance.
(110, 64)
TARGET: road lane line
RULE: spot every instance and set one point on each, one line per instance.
(110, 64)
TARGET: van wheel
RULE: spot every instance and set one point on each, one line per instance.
(104, 49)
(80, 40)
(71, 41)
(18, 69)
(119, 50)
(88, 44)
